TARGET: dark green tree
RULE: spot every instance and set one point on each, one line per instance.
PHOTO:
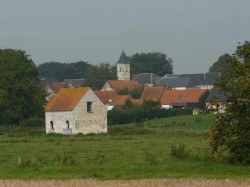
(22, 94)
(202, 100)
(157, 63)
(221, 64)
(97, 75)
(135, 94)
(231, 133)
(60, 71)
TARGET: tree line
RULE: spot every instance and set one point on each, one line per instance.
(96, 75)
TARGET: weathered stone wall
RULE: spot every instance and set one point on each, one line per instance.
(80, 121)
(123, 71)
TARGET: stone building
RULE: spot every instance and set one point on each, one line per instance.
(75, 110)
(123, 68)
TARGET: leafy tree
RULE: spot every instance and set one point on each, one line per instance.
(135, 94)
(202, 100)
(60, 71)
(221, 64)
(157, 63)
(97, 75)
(232, 130)
(22, 94)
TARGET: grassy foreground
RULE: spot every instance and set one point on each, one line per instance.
(126, 152)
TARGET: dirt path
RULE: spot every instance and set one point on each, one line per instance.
(127, 183)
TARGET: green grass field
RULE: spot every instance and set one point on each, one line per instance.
(125, 152)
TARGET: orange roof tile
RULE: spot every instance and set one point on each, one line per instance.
(105, 96)
(152, 93)
(66, 99)
(183, 96)
(121, 85)
(119, 100)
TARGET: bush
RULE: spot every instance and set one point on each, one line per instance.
(33, 122)
(120, 115)
(179, 152)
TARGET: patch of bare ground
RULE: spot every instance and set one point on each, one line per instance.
(127, 183)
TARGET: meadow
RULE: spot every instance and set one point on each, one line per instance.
(175, 147)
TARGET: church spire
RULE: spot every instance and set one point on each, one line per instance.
(123, 59)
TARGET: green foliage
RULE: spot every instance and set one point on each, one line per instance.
(157, 63)
(33, 122)
(202, 100)
(221, 64)
(60, 71)
(148, 110)
(135, 94)
(232, 130)
(179, 152)
(97, 75)
(22, 94)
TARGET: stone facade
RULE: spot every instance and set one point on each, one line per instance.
(123, 72)
(82, 119)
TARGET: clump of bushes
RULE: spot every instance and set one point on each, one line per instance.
(33, 122)
(130, 113)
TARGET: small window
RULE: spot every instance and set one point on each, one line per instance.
(67, 123)
(89, 106)
(120, 69)
(51, 125)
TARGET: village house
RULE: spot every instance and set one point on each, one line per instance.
(188, 98)
(75, 110)
(118, 85)
(216, 100)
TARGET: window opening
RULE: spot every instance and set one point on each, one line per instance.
(51, 125)
(67, 122)
(89, 106)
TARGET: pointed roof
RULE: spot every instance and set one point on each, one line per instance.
(152, 93)
(120, 100)
(123, 59)
(105, 95)
(118, 85)
(66, 99)
(145, 78)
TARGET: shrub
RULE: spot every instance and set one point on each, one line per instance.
(179, 152)
(33, 122)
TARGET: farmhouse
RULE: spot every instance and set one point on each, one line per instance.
(75, 110)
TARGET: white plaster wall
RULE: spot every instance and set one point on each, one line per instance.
(123, 71)
(166, 106)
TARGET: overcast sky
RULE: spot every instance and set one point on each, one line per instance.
(194, 33)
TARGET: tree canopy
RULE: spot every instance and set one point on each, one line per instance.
(97, 75)
(231, 132)
(221, 64)
(22, 94)
(60, 71)
(156, 62)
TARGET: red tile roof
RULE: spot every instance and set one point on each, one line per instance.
(182, 96)
(66, 99)
(105, 96)
(152, 93)
(121, 85)
(119, 100)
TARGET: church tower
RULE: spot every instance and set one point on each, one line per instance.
(123, 68)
